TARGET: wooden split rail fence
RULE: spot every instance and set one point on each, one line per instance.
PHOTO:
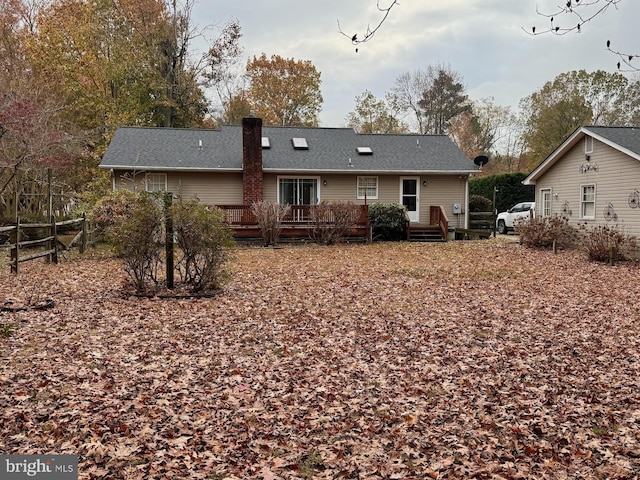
(51, 241)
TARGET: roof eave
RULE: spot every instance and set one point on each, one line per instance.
(554, 156)
(169, 169)
(292, 170)
(369, 171)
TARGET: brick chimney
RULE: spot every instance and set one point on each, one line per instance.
(252, 181)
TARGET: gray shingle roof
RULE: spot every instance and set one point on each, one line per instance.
(626, 137)
(329, 151)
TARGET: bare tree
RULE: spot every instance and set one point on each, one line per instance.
(407, 93)
(573, 15)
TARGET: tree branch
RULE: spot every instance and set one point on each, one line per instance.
(582, 12)
(370, 32)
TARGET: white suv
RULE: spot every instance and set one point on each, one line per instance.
(507, 220)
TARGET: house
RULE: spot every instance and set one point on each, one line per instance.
(592, 179)
(237, 165)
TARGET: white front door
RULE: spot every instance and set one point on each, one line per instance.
(410, 197)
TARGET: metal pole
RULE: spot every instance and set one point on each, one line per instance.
(495, 211)
(169, 238)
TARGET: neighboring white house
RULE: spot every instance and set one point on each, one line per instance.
(592, 178)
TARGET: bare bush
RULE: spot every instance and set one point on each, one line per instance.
(601, 241)
(269, 216)
(542, 232)
(332, 220)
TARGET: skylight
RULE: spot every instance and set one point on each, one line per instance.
(300, 143)
(266, 143)
(364, 151)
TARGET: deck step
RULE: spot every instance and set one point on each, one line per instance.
(426, 234)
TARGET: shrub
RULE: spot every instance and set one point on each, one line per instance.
(205, 240)
(112, 209)
(510, 189)
(269, 216)
(387, 221)
(7, 330)
(94, 192)
(332, 220)
(478, 203)
(135, 231)
(540, 232)
(598, 241)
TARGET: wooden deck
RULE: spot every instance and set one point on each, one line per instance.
(297, 226)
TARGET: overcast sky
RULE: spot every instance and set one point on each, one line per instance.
(482, 40)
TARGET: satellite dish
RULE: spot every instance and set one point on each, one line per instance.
(481, 160)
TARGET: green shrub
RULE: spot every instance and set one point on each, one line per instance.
(7, 330)
(332, 220)
(598, 241)
(540, 232)
(478, 203)
(510, 189)
(205, 240)
(387, 221)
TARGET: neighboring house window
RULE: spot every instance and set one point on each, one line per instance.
(367, 187)
(298, 191)
(545, 200)
(156, 182)
(588, 202)
(588, 144)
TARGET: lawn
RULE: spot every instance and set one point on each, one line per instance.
(456, 360)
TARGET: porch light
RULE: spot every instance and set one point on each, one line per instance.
(324, 182)
(424, 183)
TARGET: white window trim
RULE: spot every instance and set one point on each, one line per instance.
(146, 181)
(588, 144)
(542, 192)
(582, 202)
(299, 177)
(368, 197)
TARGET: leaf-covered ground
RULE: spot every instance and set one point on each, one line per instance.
(457, 360)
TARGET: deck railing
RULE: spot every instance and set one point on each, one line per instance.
(297, 215)
(239, 214)
(438, 217)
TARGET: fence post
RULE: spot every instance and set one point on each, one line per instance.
(168, 226)
(83, 237)
(54, 243)
(15, 251)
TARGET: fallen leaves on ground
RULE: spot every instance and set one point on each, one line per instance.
(458, 360)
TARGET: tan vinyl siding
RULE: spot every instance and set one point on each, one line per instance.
(444, 191)
(614, 174)
(441, 190)
(209, 188)
(226, 189)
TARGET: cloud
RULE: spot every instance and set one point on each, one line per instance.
(483, 40)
